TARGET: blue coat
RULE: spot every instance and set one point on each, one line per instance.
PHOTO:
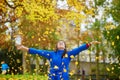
(66, 60)
(57, 63)
(5, 66)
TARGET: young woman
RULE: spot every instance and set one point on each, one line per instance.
(59, 59)
(68, 55)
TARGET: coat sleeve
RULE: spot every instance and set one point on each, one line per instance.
(44, 53)
(7, 66)
(76, 51)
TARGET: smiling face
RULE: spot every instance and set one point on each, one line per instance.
(61, 45)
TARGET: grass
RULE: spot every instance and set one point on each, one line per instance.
(23, 77)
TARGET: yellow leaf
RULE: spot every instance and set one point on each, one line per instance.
(39, 39)
(64, 70)
(18, 60)
(12, 67)
(44, 39)
(15, 70)
(71, 73)
(97, 58)
(112, 68)
(66, 55)
(113, 43)
(46, 32)
(88, 51)
(108, 69)
(118, 37)
(108, 32)
(46, 63)
(72, 56)
(35, 70)
(47, 29)
(76, 63)
(36, 44)
(32, 37)
(55, 67)
(56, 33)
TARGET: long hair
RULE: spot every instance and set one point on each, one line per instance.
(65, 50)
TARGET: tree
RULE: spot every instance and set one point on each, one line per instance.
(7, 22)
(114, 44)
(111, 33)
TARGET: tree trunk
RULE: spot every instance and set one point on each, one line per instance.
(104, 63)
(90, 64)
(37, 64)
(78, 59)
(97, 64)
(24, 63)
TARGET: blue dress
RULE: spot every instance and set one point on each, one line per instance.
(57, 63)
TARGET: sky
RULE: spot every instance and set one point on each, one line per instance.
(62, 4)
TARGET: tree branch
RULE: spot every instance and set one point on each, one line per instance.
(5, 21)
(13, 7)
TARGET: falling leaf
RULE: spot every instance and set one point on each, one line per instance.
(108, 32)
(88, 51)
(56, 67)
(108, 69)
(32, 37)
(76, 63)
(97, 58)
(35, 70)
(36, 44)
(66, 55)
(112, 43)
(44, 39)
(64, 70)
(46, 63)
(15, 70)
(39, 39)
(46, 32)
(72, 56)
(71, 73)
(112, 68)
(18, 61)
(118, 37)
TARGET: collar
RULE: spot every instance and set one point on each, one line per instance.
(60, 50)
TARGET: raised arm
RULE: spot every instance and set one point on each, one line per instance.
(76, 51)
(44, 53)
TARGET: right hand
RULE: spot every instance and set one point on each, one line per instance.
(19, 46)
